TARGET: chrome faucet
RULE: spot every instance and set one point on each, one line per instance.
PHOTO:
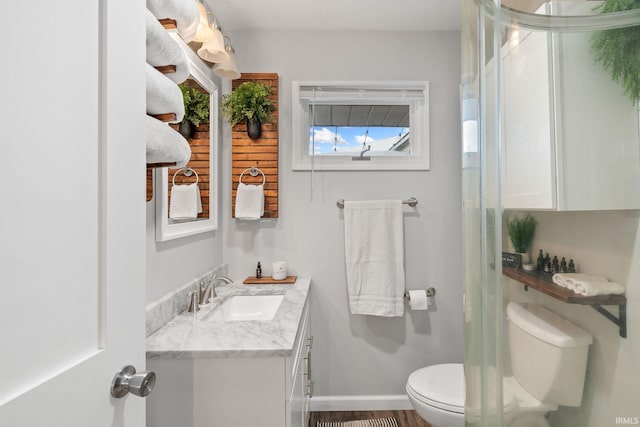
(209, 291)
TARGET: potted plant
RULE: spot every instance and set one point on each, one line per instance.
(521, 233)
(196, 110)
(249, 103)
(617, 50)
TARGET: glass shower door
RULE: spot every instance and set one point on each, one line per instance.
(550, 123)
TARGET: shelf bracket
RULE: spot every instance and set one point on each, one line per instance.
(620, 321)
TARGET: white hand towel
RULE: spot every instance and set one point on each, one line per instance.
(587, 285)
(199, 210)
(249, 201)
(183, 202)
(165, 145)
(162, 49)
(374, 256)
(184, 12)
(163, 95)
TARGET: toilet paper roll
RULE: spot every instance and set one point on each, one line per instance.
(418, 300)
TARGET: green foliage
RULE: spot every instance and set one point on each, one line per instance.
(521, 232)
(248, 100)
(618, 50)
(196, 105)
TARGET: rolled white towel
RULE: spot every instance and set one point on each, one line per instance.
(592, 288)
(587, 285)
(184, 12)
(568, 280)
(162, 49)
(165, 145)
(163, 95)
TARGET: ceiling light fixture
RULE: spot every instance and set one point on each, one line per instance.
(213, 50)
(204, 32)
(228, 69)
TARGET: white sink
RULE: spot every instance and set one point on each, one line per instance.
(248, 307)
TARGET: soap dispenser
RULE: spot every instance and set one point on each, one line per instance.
(259, 271)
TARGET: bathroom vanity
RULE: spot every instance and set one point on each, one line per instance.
(240, 373)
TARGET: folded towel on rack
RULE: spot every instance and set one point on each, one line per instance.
(374, 257)
(249, 201)
(584, 284)
(165, 145)
(162, 49)
(163, 95)
(184, 12)
(183, 202)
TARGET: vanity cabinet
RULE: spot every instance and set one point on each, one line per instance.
(570, 135)
(244, 391)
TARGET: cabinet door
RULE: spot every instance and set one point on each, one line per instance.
(528, 180)
(597, 131)
(298, 401)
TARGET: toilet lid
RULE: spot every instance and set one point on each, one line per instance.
(441, 386)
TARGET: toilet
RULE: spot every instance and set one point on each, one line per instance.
(549, 362)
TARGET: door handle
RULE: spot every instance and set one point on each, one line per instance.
(128, 381)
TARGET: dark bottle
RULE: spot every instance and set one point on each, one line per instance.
(259, 271)
(572, 266)
(540, 261)
(555, 265)
(547, 261)
(563, 265)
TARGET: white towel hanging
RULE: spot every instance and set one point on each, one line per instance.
(185, 202)
(250, 198)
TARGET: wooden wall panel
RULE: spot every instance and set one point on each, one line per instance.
(199, 162)
(261, 153)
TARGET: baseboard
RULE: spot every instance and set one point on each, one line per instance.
(396, 402)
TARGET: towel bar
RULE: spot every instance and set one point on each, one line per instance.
(411, 201)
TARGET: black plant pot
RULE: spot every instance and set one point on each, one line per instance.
(186, 129)
(254, 128)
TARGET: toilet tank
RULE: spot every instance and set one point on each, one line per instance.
(548, 354)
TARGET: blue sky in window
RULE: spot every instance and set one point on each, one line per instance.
(349, 139)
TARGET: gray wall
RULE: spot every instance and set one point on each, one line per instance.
(361, 355)
(176, 262)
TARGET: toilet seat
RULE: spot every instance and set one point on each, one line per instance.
(443, 387)
(440, 386)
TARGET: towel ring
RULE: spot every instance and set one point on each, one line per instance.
(253, 172)
(187, 172)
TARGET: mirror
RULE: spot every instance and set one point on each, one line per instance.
(201, 168)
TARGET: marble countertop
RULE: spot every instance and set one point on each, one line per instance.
(189, 336)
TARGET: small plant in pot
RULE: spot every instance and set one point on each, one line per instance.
(196, 110)
(521, 233)
(249, 103)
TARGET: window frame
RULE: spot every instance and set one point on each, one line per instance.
(418, 159)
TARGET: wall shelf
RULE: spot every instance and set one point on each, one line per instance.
(542, 283)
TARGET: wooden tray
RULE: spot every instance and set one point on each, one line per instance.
(252, 280)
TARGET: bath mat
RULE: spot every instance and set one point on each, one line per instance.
(378, 422)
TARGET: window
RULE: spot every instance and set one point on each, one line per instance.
(360, 125)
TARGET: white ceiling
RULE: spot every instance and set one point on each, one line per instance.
(337, 15)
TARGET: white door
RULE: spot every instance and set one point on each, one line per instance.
(71, 211)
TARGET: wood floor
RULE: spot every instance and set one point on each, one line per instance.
(405, 418)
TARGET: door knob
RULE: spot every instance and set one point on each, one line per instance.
(128, 381)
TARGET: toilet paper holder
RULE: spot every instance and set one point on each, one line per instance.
(431, 292)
